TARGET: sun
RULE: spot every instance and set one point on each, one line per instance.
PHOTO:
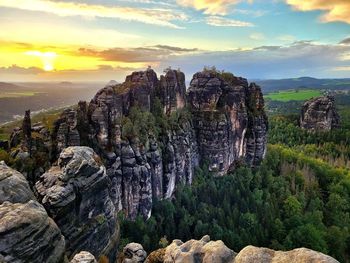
(48, 67)
(47, 58)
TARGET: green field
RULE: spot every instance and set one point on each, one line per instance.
(289, 95)
(18, 94)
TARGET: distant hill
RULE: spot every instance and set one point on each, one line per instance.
(302, 83)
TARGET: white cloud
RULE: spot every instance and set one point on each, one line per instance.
(210, 7)
(226, 22)
(155, 16)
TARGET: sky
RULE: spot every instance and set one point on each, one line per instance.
(100, 40)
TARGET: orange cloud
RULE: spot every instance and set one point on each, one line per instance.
(335, 10)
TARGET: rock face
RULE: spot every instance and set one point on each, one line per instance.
(206, 251)
(229, 119)
(319, 114)
(252, 254)
(75, 194)
(27, 233)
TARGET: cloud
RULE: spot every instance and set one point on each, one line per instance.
(210, 7)
(225, 22)
(14, 69)
(135, 55)
(298, 59)
(335, 10)
(345, 41)
(155, 16)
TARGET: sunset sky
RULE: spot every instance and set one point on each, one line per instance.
(90, 40)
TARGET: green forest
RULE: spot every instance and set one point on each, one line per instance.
(298, 197)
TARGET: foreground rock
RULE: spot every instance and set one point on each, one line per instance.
(203, 250)
(206, 251)
(75, 194)
(252, 254)
(83, 257)
(319, 114)
(27, 233)
(134, 253)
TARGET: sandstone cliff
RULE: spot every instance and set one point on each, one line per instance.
(319, 114)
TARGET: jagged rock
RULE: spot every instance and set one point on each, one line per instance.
(203, 251)
(13, 186)
(65, 130)
(134, 253)
(27, 131)
(27, 233)
(319, 114)
(83, 257)
(75, 194)
(173, 90)
(229, 119)
(251, 254)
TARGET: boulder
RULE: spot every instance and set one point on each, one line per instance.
(83, 257)
(134, 253)
(319, 114)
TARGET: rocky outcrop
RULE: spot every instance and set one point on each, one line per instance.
(206, 251)
(251, 254)
(27, 131)
(27, 233)
(134, 253)
(319, 114)
(76, 195)
(83, 257)
(229, 119)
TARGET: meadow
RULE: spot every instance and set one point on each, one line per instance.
(297, 95)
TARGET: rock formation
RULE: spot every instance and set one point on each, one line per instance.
(225, 124)
(75, 194)
(206, 251)
(229, 119)
(27, 233)
(319, 114)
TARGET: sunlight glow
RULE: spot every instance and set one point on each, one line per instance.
(47, 58)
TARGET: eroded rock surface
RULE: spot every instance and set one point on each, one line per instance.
(251, 254)
(204, 251)
(27, 233)
(75, 194)
(319, 114)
